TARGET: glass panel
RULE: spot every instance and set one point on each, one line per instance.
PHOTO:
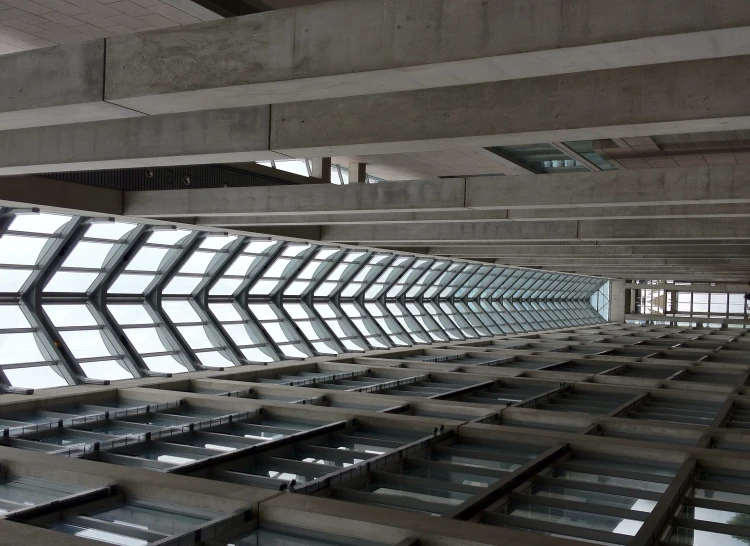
(130, 314)
(85, 343)
(131, 284)
(38, 377)
(105, 369)
(66, 281)
(182, 285)
(168, 237)
(88, 255)
(180, 311)
(69, 315)
(11, 280)
(39, 223)
(109, 230)
(11, 316)
(147, 259)
(198, 262)
(18, 250)
(20, 347)
(164, 364)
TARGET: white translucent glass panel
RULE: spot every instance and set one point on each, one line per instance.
(71, 281)
(85, 343)
(24, 347)
(225, 287)
(407, 323)
(198, 262)
(11, 316)
(248, 340)
(217, 242)
(180, 311)
(294, 166)
(39, 223)
(225, 312)
(105, 369)
(148, 258)
(311, 328)
(180, 285)
(164, 364)
(63, 315)
(18, 348)
(146, 340)
(371, 334)
(259, 247)
(131, 284)
(394, 332)
(112, 231)
(214, 359)
(21, 250)
(272, 323)
(196, 337)
(11, 280)
(38, 377)
(128, 314)
(337, 324)
(737, 303)
(168, 237)
(335, 176)
(88, 255)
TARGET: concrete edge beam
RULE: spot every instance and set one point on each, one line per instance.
(215, 136)
(329, 50)
(24, 191)
(741, 210)
(703, 95)
(721, 229)
(684, 192)
(56, 85)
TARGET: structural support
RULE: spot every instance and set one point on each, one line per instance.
(369, 47)
(321, 168)
(357, 172)
(622, 102)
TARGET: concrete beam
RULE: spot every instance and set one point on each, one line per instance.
(23, 191)
(362, 47)
(624, 262)
(741, 210)
(55, 85)
(703, 95)
(582, 251)
(670, 318)
(617, 301)
(435, 195)
(560, 195)
(583, 230)
(215, 136)
(713, 287)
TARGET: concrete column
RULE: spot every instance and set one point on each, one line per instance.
(357, 172)
(321, 168)
(617, 301)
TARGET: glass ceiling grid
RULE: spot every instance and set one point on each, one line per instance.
(92, 300)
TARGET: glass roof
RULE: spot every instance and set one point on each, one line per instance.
(91, 300)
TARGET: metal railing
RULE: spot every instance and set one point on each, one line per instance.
(16, 432)
(376, 463)
(121, 441)
(211, 530)
(390, 384)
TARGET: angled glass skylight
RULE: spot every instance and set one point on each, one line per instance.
(92, 300)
